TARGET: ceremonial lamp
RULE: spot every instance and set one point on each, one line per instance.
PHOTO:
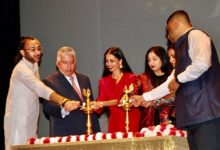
(88, 110)
(126, 105)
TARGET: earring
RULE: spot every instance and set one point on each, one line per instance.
(121, 66)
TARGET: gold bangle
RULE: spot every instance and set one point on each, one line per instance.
(64, 101)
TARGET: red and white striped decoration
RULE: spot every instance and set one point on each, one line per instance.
(159, 130)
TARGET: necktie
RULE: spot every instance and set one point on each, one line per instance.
(76, 88)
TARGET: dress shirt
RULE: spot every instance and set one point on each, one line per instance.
(75, 80)
(200, 54)
(63, 111)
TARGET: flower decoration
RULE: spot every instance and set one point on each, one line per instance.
(159, 130)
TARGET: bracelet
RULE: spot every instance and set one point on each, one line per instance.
(64, 101)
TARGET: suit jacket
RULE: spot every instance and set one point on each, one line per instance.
(75, 122)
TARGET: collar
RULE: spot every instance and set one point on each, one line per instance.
(73, 76)
(31, 65)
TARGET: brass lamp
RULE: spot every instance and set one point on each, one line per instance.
(86, 107)
(126, 105)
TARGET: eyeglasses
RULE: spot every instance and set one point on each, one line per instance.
(32, 49)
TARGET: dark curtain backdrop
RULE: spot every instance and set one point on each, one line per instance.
(10, 27)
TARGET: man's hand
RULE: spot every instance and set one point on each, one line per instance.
(173, 86)
(71, 105)
(137, 100)
(148, 103)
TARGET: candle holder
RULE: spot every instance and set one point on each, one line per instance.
(126, 105)
(86, 107)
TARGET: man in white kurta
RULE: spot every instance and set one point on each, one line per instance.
(22, 106)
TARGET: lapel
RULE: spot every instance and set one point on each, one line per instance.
(62, 79)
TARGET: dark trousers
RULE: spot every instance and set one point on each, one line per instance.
(204, 136)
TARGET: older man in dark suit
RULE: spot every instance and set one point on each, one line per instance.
(68, 83)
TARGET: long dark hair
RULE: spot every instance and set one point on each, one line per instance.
(118, 53)
(166, 65)
(21, 45)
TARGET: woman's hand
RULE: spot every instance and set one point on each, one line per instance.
(96, 104)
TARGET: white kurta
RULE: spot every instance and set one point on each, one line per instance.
(22, 105)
